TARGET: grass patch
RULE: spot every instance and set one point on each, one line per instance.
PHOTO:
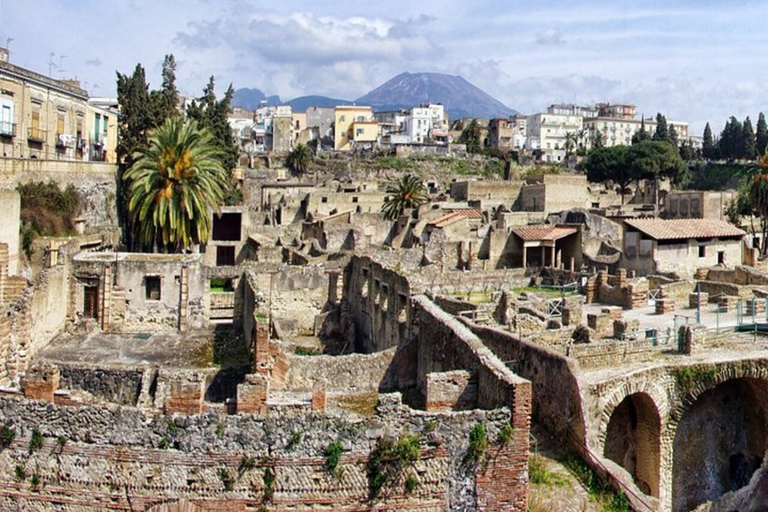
(688, 376)
(294, 440)
(306, 351)
(539, 474)
(599, 491)
(7, 435)
(394, 162)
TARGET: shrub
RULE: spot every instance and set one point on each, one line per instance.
(246, 464)
(294, 440)
(411, 483)
(46, 210)
(35, 480)
(7, 435)
(36, 441)
(269, 484)
(506, 433)
(333, 456)
(306, 351)
(21, 472)
(539, 474)
(389, 459)
(226, 479)
(478, 445)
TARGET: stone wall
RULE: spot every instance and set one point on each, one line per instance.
(10, 227)
(610, 354)
(115, 385)
(379, 302)
(556, 396)
(94, 458)
(351, 373)
(95, 182)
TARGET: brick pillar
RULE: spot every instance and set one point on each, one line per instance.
(501, 482)
(252, 395)
(105, 297)
(183, 297)
(186, 396)
(261, 348)
(691, 338)
(319, 397)
(40, 383)
(621, 277)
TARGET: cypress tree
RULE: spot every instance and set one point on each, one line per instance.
(662, 131)
(708, 148)
(748, 144)
(761, 141)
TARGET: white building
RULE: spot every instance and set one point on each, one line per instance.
(550, 132)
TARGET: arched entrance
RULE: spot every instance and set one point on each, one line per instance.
(719, 442)
(633, 440)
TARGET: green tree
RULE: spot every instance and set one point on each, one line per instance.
(662, 130)
(642, 134)
(758, 195)
(761, 138)
(708, 147)
(165, 100)
(730, 143)
(657, 160)
(407, 192)
(672, 136)
(748, 150)
(610, 164)
(175, 184)
(471, 137)
(212, 114)
(598, 140)
(299, 158)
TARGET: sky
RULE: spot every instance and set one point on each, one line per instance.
(694, 61)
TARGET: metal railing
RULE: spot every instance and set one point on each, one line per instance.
(7, 129)
(36, 134)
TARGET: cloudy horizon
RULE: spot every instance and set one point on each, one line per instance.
(692, 62)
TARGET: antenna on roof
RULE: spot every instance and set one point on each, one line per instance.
(51, 64)
(61, 65)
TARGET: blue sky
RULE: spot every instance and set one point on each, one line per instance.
(693, 61)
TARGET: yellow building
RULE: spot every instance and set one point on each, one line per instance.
(51, 119)
(354, 126)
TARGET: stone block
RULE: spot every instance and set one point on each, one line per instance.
(252, 395)
(600, 323)
(186, 397)
(664, 306)
(40, 382)
(448, 391)
(319, 397)
(695, 300)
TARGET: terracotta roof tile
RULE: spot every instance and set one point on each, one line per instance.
(679, 229)
(549, 233)
(455, 216)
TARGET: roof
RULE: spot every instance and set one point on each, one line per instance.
(541, 233)
(455, 216)
(683, 229)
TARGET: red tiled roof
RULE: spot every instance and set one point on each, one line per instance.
(682, 229)
(454, 216)
(541, 233)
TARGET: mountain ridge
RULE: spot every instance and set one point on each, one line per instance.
(404, 91)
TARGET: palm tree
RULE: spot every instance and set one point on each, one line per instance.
(299, 158)
(407, 192)
(175, 183)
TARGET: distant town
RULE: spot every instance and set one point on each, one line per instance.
(359, 308)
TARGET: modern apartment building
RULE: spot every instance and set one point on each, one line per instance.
(354, 125)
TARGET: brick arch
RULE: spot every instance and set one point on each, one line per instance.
(633, 440)
(650, 385)
(175, 506)
(723, 373)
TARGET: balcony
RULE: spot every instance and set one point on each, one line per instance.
(7, 129)
(36, 134)
(64, 140)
